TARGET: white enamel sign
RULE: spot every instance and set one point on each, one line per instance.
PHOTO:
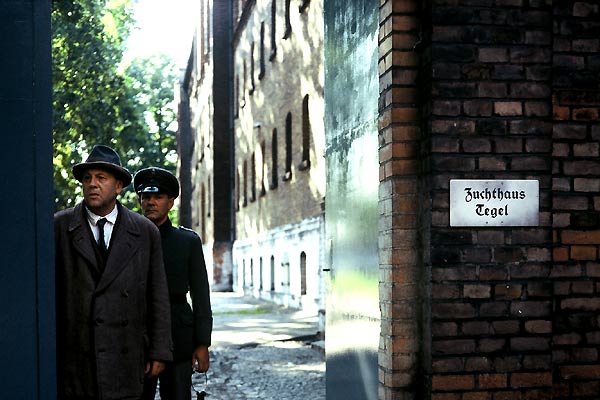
(494, 202)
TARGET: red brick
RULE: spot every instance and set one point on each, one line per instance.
(538, 326)
(493, 90)
(509, 145)
(537, 109)
(570, 203)
(491, 345)
(508, 291)
(585, 114)
(452, 310)
(567, 339)
(586, 149)
(452, 382)
(530, 308)
(583, 253)
(478, 108)
(475, 328)
(586, 185)
(580, 237)
(581, 304)
(492, 381)
(477, 396)
(560, 254)
(580, 371)
(508, 108)
(519, 380)
(492, 164)
(530, 344)
(494, 273)
(476, 145)
(529, 90)
(493, 55)
(446, 108)
(453, 364)
(505, 327)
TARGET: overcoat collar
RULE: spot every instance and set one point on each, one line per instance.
(124, 244)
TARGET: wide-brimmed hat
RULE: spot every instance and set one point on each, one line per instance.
(156, 180)
(105, 158)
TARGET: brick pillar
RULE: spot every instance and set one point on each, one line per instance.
(576, 200)
(401, 291)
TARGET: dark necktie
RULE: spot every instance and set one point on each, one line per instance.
(101, 244)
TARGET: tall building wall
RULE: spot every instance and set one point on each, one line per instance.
(279, 142)
(208, 88)
(489, 90)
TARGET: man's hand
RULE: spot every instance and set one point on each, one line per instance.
(200, 356)
(153, 368)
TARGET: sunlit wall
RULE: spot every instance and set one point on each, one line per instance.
(351, 92)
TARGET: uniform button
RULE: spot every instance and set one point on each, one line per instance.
(124, 322)
(124, 350)
(125, 293)
(99, 321)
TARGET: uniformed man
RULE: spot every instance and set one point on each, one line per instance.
(185, 268)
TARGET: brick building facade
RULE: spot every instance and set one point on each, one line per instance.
(205, 140)
(467, 89)
(489, 89)
(278, 152)
(253, 106)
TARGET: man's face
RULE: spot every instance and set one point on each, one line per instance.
(100, 190)
(156, 206)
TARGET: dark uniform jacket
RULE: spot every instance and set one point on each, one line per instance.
(109, 323)
(186, 271)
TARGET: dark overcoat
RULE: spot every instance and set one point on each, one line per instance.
(186, 272)
(111, 318)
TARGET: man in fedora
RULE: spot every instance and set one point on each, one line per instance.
(113, 318)
(186, 272)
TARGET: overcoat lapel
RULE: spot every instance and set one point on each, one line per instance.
(80, 237)
(125, 244)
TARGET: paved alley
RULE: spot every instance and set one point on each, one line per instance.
(262, 351)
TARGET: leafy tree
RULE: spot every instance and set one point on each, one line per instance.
(153, 78)
(95, 102)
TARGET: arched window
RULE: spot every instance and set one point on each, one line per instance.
(237, 189)
(303, 273)
(244, 85)
(261, 71)
(288, 24)
(273, 30)
(236, 97)
(208, 198)
(274, 164)
(252, 83)
(245, 183)
(263, 156)
(203, 213)
(272, 273)
(302, 7)
(305, 164)
(253, 177)
(288, 147)
(260, 277)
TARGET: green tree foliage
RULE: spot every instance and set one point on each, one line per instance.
(95, 102)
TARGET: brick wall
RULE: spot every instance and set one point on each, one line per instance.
(400, 253)
(576, 201)
(293, 69)
(494, 89)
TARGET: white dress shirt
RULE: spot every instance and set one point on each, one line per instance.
(111, 219)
